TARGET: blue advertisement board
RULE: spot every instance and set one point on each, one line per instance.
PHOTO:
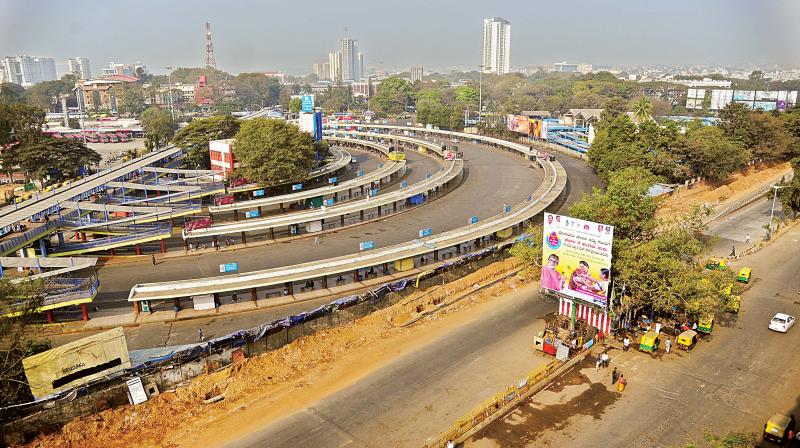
(251, 214)
(404, 184)
(329, 201)
(425, 232)
(297, 187)
(258, 193)
(473, 220)
(229, 267)
(307, 103)
(331, 180)
(366, 245)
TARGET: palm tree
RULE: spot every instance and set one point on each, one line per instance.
(641, 110)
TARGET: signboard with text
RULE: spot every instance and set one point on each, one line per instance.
(307, 103)
(577, 258)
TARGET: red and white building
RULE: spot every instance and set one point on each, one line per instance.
(221, 154)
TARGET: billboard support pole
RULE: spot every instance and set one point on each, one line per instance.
(572, 315)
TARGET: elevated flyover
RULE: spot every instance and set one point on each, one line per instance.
(552, 186)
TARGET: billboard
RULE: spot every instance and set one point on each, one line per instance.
(307, 103)
(77, 362)
(577, 258)
(518, 123)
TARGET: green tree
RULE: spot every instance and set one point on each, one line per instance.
(11, 93)
(255, 90)
(393, 95)
(196, 135)
(46, 95)
(614, 147)
(295, 104)
(271, 151)
(158, 126)
(61, 158)
(790, 194)
(18, 306)
(764, 134)
(20, 122)
(712, 155)
(641, 109)
(130, 98)
(467, 96)
(625, 205)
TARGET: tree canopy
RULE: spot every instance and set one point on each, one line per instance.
(271, 151)
(393, 95)
(158, 126)
(196, 135)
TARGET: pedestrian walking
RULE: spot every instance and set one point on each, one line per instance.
(733, 251)
(597, 363)
(622, 383)
(191, 247)
(658, 327)
(669, 345)
(626, 344)
(450, 444)
(200, 335)
(605, 360)
(235, 298)
(747, 238)
(153, 259)
(614, 376)
(316, 240)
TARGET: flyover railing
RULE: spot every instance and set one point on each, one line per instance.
(441, 177)
(552, 186)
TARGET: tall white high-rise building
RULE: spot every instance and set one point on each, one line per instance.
(496, 45)
(417, 73)
(79, 67)
(29, 70)
(350, 66)
(335, 66)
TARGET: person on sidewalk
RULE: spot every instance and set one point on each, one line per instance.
(669, 345)
(614, 376)
(154, 259)
(733, 252)
(626, 344)
(597, 363)
(622, 382)
(450, 444)
(605, 360)
(658, 327)
(200, 335)
(747, 238)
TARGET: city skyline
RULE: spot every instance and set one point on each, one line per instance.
(632, 32)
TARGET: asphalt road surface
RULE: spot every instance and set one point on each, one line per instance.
(733, 230)
(492, 178)
(732, 382)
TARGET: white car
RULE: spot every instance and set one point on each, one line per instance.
(781, 322)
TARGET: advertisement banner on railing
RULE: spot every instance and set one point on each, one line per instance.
(518, 123)
(577, 258)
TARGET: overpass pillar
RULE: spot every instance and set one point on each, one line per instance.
(325, 281)
(341, 219)
(244, 238)
(235, 215)
(361, 213)
(138, 249)
(379, 211)
(216, 243)
(272, 233)
(458, 248)
(60, 238)
(290, 288)
(163, 247)
(436, 255)
(43, 247)
(50, 319)
(84, 312)
(253, 294)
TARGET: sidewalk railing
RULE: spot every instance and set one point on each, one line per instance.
(495, 404)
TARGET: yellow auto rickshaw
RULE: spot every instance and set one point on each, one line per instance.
(744, 275)
(705, 325)
(777, 428)
(649, 342)
(717, 264)
(686, 340)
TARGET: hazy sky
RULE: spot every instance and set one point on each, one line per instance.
(290, 35)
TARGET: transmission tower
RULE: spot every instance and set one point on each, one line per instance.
(210, 61)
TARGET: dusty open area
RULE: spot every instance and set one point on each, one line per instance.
(740, 186)
(267, 387)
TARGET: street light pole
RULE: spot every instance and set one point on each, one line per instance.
(772, 211)
(169, 80)
(480, 92)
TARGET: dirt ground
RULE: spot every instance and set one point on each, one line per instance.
(581, 391)
(267, 387)
(740, 185)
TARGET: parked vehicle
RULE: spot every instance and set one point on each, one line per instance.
(705, 325)
(744, 275)
(777, 428)
(649, 342)
(718, 264)
(686, 340)
(781, 322)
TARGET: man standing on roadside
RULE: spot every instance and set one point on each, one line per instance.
(669, 345)
(614, 376)
(154, 259)
(747, 238)
(626, 344)
(605, 360)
